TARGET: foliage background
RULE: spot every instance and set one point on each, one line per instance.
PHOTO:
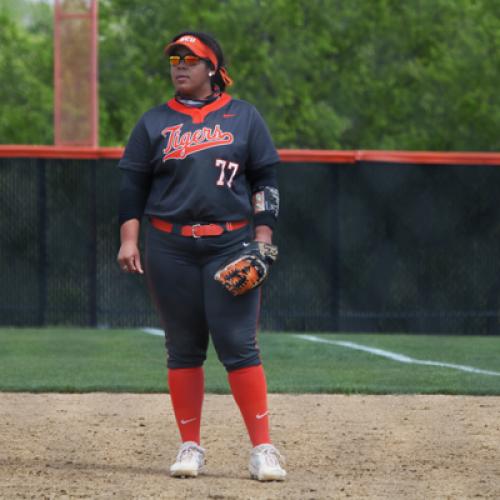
(347, 74)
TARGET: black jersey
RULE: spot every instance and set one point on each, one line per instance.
(202, 160)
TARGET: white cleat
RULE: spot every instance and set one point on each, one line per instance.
(190, 460)
(265, 463)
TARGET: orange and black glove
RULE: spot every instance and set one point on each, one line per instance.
(248, 269)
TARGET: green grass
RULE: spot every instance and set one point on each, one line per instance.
(83, 360)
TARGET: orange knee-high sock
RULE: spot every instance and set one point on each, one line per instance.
(249, 389)
(187, 387)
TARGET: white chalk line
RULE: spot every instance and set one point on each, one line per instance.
(153, 331)
(397, 357)
(378, 352)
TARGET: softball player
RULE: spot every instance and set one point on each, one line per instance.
(202, 169)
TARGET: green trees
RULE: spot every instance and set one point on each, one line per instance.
(421, 75)
(384, 74)
(26, 95)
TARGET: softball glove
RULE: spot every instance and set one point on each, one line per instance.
(248, 269)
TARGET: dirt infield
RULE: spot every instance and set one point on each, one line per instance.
(120, 446)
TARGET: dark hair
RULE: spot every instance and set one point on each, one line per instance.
(211, 42)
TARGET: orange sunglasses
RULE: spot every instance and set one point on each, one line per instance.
(189, 60)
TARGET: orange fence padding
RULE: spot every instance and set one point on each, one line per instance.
(287, 155)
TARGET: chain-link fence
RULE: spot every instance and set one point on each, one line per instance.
(363, 247)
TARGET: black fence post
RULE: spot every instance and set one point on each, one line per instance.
(92, 246)
(42, 241)
(335, 254)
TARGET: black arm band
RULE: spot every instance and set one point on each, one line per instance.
(134, 191)
(264, 219)
(265, 195)
(266, 205)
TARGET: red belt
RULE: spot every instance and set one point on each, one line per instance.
(197, 230)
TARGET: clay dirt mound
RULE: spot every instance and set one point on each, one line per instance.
(120, 446)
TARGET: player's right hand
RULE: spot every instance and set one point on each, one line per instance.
(129, 258)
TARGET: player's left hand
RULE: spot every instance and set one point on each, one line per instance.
(264, 234)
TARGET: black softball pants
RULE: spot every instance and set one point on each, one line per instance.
(193, 306)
